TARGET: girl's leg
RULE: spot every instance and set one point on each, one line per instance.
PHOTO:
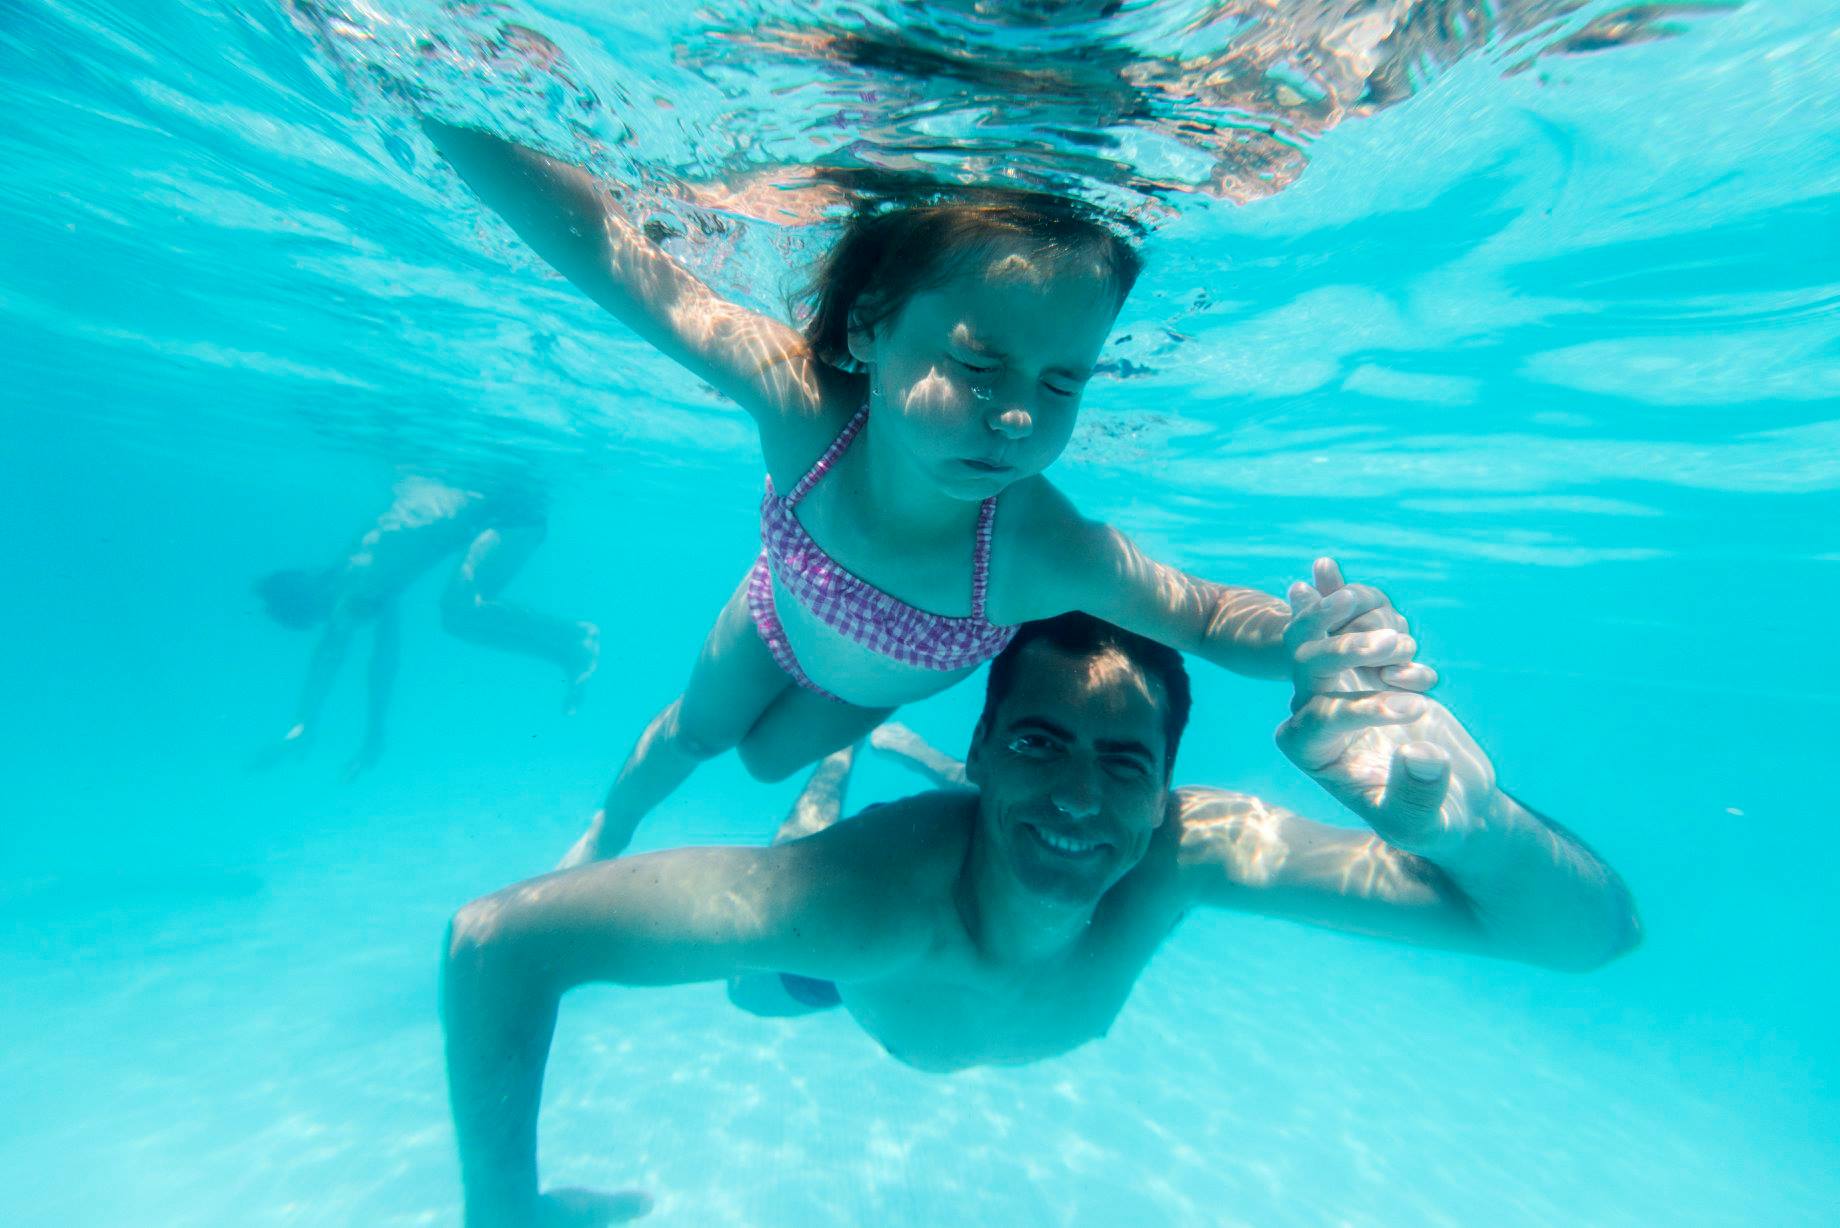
(471, 608)
(802, 727)
(735, 680)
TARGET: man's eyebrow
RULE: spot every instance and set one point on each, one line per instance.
(1044, 724)
(1107, 746)
(1127, 746)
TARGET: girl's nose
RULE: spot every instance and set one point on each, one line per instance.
(1013, 422)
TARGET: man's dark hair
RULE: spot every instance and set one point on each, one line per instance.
(1082, 635)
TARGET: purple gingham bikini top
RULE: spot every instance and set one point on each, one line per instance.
(856, 609)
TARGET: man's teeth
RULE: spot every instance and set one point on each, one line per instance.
(1065, 844)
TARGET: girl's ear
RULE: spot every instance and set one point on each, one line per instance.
(860, 336)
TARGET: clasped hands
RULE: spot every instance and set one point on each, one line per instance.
(1363, 728)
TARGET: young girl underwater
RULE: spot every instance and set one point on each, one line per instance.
(906, 528)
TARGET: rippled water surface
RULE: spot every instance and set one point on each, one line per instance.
(1528, 312)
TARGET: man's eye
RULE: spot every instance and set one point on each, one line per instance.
(1062, 392)
(1126, 768)
(1031, 744)
(975, 368)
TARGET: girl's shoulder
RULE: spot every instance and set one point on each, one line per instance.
(1034, 503)
(1039, 545)
(1035, 519)
(793, 440)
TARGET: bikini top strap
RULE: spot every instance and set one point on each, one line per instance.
(823, 464)
(980, 562)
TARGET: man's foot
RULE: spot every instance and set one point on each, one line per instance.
(573, 1207)
(896, 741)
(588, 659)
(588, 847)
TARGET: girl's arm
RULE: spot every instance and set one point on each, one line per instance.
(1237, 628)
(567, 218)
(1050, 559)
(1063, 561)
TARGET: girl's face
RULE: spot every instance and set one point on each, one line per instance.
(979, 381)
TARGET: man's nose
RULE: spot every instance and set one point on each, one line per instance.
(1076, 793)
(1013, 422)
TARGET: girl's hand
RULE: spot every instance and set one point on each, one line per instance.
(1369, 650)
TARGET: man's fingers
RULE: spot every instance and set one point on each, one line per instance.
(1319, 731)
(1303, 598)
(1317, 661)
(1417, 781)
(1412, 676)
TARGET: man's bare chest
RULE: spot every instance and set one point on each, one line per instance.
(956, 1012)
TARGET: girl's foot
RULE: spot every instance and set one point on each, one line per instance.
(587, 661)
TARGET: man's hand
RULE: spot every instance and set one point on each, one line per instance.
(1362, 730)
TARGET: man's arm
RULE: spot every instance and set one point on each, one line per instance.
(1240, 852)
(1451, 859)
(322, 671)
(836, 906)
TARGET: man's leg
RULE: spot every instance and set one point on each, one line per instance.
(820, 803)
(898, 743)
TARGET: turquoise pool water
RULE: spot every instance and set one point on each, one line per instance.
(1551, 354)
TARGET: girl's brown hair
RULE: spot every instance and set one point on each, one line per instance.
(885, 256)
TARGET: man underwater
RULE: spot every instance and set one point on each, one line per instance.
(1008, 923)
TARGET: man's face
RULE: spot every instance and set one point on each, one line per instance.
(1071, 772)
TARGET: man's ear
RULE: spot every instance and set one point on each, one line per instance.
(974, 757)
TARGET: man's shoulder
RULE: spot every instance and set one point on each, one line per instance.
(914, 839)
(1214, 831)
(929, 830)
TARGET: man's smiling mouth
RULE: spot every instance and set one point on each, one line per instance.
(1070, 847)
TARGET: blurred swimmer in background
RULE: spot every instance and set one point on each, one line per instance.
(491, 535)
